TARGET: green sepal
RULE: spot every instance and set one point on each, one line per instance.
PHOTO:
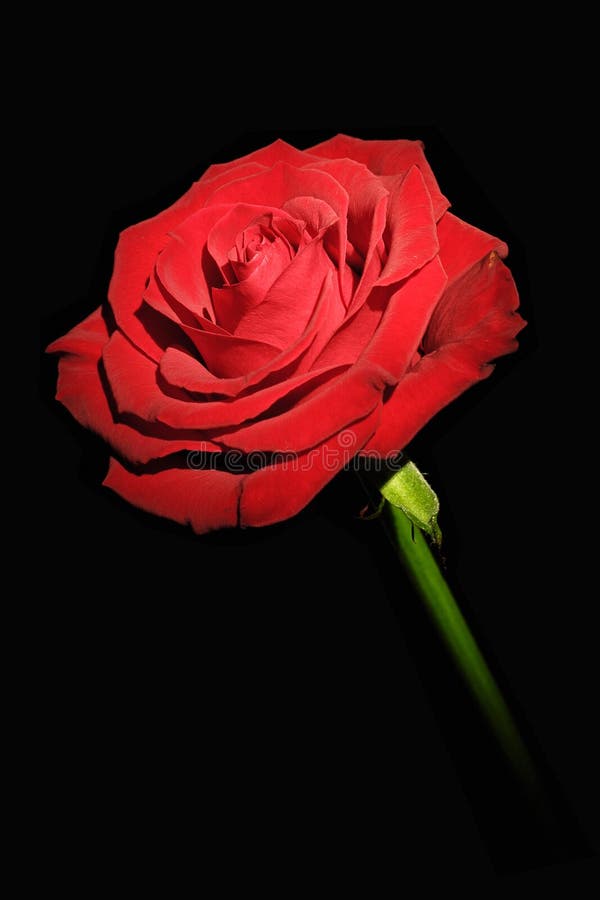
(408, 490)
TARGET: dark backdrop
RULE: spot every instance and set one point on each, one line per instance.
(271, 698)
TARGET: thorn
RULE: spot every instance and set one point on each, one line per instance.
(366, 516)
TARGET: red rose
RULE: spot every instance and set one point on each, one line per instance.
(291, 310)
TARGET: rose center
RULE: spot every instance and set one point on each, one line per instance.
(266, 240)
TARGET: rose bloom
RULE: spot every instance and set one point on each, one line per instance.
(291, 310)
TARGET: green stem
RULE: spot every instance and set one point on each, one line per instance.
(414, 552)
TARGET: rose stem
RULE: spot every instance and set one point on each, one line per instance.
(413, 551)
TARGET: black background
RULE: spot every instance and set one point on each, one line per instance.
(267, 700)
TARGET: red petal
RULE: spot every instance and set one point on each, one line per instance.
(210, 499)
(84, 338)
(446, 372)
(405, 319)
(182, 267)
(365, 193)
(234, 301)
(206, 499)
(81, 390)
(462, 244)
(284, 182)
(236, 218)
(279, 491)
(226, 355)
(356, 331)
(403, 313)
(315, 418)
(278, 151)
(138, 248)
(290, 302)
(367, 208)
(317, 214)
(133, 381)
(479, 303)
(431, 385)
(229, 356)
(182, 370)
(385, 158)
(411, 235)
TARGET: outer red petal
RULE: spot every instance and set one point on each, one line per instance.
(279, 491)
(133, 380)
(81, 390)
(479, 305)
(278, 151)
(462, 244)
(209, 499)
(206, 499)
(327, 410)
(488, 291)
(426, 389)
(385, 158)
